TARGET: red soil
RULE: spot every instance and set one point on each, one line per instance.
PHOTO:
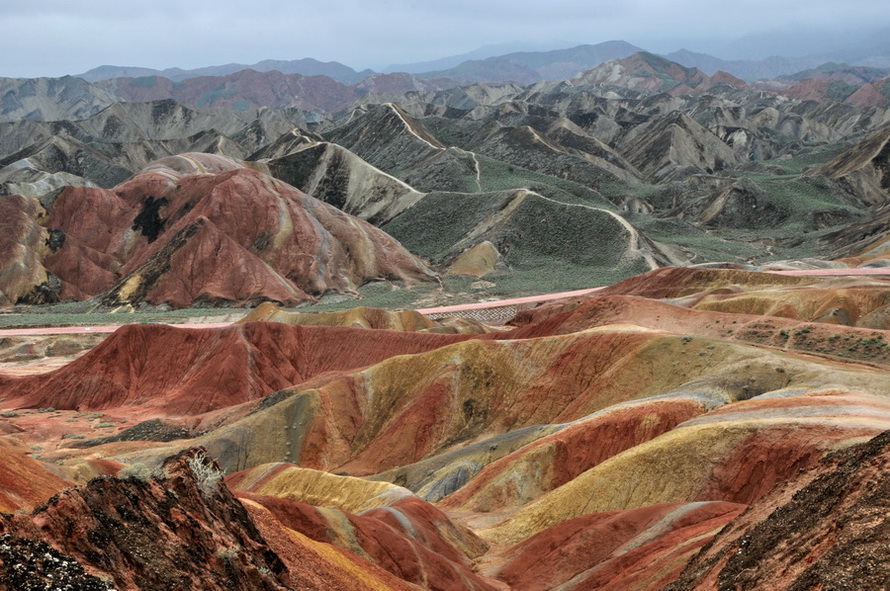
(178, 371)
(310, 570)
(604, 550)
(24, 482)
(237, 236)
(405, 539)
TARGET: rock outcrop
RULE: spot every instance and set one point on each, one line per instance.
(824, 529)
(201, 229)
(864, 169)
(182, 529)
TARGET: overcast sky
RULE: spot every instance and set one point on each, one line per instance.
(57, 37)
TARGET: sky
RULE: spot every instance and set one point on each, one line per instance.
(58, 37)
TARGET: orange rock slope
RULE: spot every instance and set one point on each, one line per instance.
(670, 430)
(179, 371)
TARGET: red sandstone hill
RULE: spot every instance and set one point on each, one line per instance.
(191, 371)
(182, 529)
(405, 536)
(602, 444)
(826, 529)
(199, 229)
(25, 482)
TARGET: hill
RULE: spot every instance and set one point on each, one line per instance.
(305, 67)
(632, 438)
(270, 241)
(533, 66)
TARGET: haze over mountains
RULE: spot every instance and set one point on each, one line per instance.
(491, 64)
(530, 66)
(716, 415)
(301, 83)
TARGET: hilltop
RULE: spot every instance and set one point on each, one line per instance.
(713, 414)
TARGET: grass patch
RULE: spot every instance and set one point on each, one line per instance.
(78, 314)
(547, 275)
(699, 244)
(809, 157)
(431, 228)
(496, 175)
(800, 195)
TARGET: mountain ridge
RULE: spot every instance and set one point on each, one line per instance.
(305, 66)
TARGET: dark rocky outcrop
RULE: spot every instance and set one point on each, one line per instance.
(182, 529)
(825, 530)
(26, 565)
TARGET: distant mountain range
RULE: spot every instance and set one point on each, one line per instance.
(452, 61)
(749, 70)
(533, 66)
(523, 66)
(527, 67)
(52, 99)
(306, 67)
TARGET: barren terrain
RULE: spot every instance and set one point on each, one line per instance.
(626, 330)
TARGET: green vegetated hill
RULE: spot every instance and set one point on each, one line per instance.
(712, 178)
(567, 183)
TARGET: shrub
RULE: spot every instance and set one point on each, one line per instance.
(205, 471)
(229, 553)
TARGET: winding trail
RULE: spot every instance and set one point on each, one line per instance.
(478, 171)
